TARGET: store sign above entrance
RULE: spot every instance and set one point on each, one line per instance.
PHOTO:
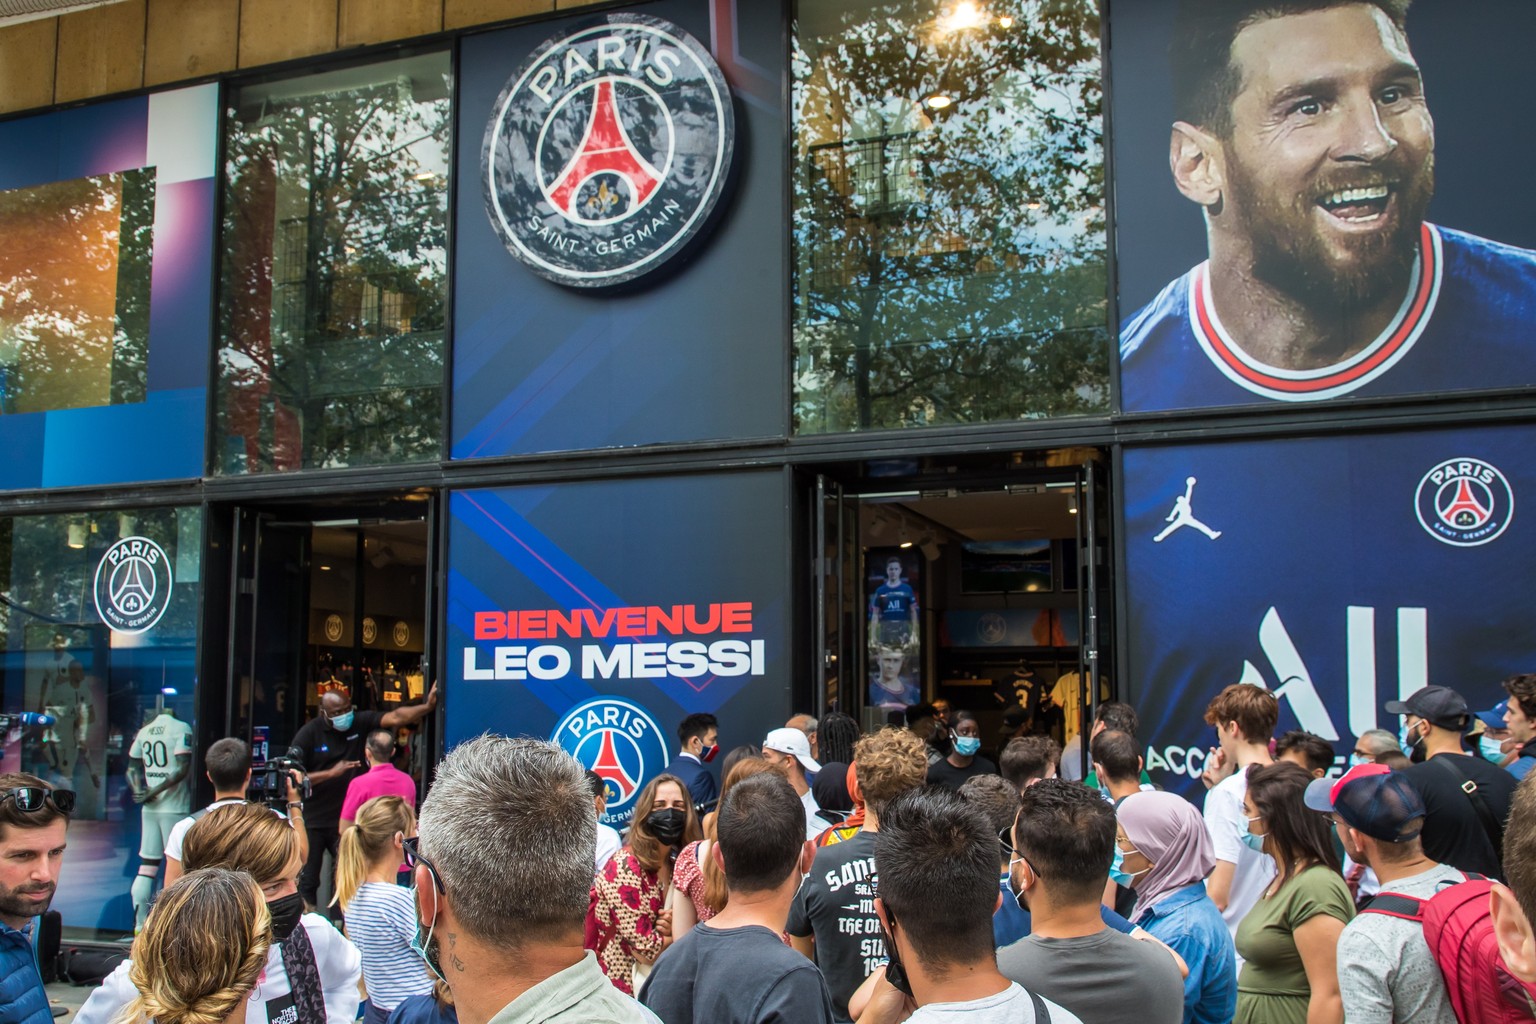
(608, 150)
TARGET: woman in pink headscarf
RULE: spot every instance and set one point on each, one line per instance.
(1161, 842)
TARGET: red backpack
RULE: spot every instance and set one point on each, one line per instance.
(1459, 930)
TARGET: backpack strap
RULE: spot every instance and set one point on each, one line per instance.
(1467, 785)
(1042, 1012)
(1395, 904)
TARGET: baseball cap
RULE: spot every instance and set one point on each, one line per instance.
(1371, 798)
(1493, 718)
(1438, 705)
(792, 741)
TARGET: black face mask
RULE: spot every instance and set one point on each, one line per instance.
(895, 972)
(285, 912)
(667, 825)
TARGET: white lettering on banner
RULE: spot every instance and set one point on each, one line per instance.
(683, 659)
(1296, 682)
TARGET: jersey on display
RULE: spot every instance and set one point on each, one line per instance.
(159, 745)
(1467, 310)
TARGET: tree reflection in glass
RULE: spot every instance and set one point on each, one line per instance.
(335, 269)
(949, 225)
(74, 292)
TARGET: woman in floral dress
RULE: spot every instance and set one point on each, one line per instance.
(628, 923)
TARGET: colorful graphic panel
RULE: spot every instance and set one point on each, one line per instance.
(104, 298)
(600, 614)
(1338, 572)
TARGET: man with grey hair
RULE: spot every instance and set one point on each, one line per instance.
(1372, 744)
(502, 866)
(808, 725)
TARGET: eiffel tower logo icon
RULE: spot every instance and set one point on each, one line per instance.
(605, 149)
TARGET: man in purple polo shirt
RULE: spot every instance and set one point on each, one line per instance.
(381, 778)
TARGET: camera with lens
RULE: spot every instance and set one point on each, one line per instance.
(269, 784)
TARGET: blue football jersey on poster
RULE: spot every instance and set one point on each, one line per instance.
(1338, 572)
(1465, 323)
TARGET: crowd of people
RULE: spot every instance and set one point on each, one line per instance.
(836, 876)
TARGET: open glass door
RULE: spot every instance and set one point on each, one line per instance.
(1095, 594)
(269, 601)
(837, 665)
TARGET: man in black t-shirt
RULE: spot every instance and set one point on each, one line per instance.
(734, 968)
(330, 747)
(833, 918)
(1466, 799)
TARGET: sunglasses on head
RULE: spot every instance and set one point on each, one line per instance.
(412, 848)
(33, 798)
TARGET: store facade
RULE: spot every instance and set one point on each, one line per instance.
(612, 364)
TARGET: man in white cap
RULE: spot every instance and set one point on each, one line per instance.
(789, 751)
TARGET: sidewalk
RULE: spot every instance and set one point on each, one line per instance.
(72, 996)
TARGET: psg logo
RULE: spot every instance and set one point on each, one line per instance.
(608, 150)
(619, 741)
(133, 585)
(1465, 502)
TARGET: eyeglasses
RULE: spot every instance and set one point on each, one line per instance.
(412, 848)
(1005, 836)
(32, 798)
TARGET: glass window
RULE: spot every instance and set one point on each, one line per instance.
(335, 269)
(949, 227)
(74, 292)
(98, 634)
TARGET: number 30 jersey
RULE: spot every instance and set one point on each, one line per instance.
(160, 745)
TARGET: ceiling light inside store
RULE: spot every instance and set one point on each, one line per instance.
(75, 534)
(961, 16)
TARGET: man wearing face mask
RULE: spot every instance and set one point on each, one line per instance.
(699, 738)
(1064, 840)
(502, 868)
(330, 747)
(1466, 799)
(935, 901)
(963, 761)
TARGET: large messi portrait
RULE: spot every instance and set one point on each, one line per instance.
(1316, 199)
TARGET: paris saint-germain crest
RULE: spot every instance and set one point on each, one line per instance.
(619, 741)
(608, 150)
(1464, 502)
(133, 585)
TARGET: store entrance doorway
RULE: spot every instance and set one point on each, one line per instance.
(329, 598)
(989, 591)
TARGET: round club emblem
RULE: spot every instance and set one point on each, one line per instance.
(133, 585)
(370, 629)
(333, 627)
(1464, 502)
(608, 150)
(619, 741)
(401, 634)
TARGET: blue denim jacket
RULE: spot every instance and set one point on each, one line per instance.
(1190, 923)
(23, 1000)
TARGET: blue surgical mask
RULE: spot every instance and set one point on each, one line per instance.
(1492, 749)
(1117, 872)
(343, 721)
(1356, 760)
(424, 947)
(1253, 842)
(965, 746)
